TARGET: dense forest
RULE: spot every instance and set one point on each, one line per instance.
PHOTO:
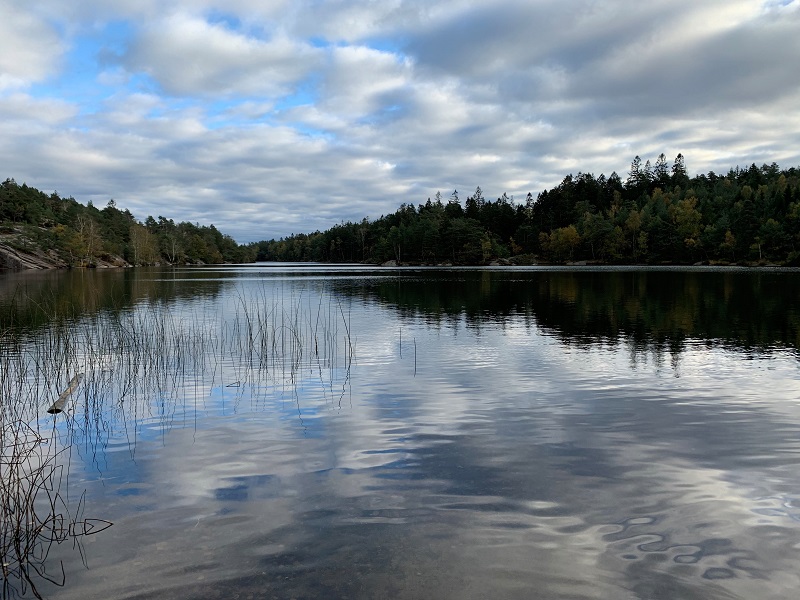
(658, 214)
(80, 235)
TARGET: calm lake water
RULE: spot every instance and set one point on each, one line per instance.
(311, 432)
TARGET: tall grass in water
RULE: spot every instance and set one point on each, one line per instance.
(35, 513)
(105, 374)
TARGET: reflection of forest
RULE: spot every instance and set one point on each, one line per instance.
(34, 298)
(745, 309)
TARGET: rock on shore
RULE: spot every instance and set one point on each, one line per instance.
(15, 259)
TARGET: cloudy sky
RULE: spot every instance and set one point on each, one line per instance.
(267, 117)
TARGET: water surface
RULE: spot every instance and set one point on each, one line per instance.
(314, 432)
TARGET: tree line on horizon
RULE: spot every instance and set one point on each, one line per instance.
(81, 235)
(658, 214)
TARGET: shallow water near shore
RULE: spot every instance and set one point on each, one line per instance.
(299, 431)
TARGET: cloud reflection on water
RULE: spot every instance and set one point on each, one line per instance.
(512, 461)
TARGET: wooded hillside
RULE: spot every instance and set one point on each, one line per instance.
(658, 214)
(76, 235)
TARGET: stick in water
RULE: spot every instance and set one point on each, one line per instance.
(58, 405)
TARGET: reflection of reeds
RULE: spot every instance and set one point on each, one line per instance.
(35, 514)
(136, 364)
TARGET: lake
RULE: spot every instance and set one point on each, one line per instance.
(302, 431)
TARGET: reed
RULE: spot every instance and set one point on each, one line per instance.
(81, 380)
(35, 513)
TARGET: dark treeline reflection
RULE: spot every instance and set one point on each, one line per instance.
(744, 309)
(31, 300)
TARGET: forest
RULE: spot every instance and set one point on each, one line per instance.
(656, 215)
(82, 235)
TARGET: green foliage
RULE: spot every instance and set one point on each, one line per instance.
(659, 214)
(560, 244)
(83, 235)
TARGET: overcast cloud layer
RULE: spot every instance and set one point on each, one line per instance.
(267, 118)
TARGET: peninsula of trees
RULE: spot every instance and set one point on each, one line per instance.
(53, 231)
(658, 214)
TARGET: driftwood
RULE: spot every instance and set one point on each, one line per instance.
(58, 405)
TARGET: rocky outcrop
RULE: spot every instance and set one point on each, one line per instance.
(501, 262)
(14, 259)
(19, 252)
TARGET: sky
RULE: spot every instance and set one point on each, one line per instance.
(272, 117)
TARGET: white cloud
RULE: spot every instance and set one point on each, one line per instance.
(351, 21)
(267, 118)
(19, 108)
(187, 55)
(85, 13)
(30, 49)
(360, 81)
